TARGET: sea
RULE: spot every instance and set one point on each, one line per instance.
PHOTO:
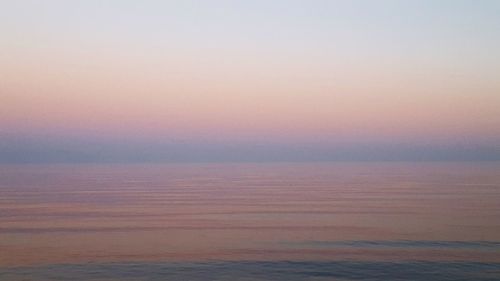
(250, 221)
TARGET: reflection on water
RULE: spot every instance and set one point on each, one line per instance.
(354, 220)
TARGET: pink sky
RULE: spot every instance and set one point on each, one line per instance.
(314, 72)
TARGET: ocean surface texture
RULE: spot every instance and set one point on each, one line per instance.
(268, 221)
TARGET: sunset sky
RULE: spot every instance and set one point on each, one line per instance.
(98, 81)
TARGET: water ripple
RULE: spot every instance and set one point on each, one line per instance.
(473, 245)
(255, 270)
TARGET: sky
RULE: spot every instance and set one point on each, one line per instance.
(275, 80)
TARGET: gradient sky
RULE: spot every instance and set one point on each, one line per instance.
(249, 80)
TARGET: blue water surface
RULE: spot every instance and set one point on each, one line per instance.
(255, 270)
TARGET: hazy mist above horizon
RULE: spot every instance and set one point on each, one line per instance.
(177, 81)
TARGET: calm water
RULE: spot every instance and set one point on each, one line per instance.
(331, 221)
